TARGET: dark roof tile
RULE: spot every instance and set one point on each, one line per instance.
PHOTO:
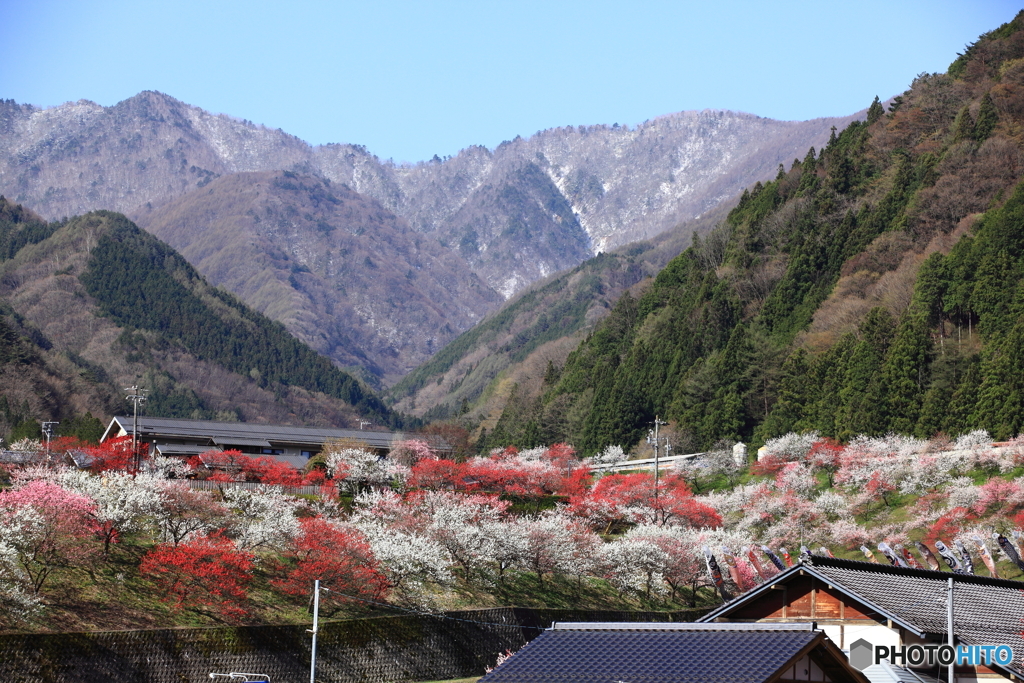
(986, 611)
(242, 433)
(652, 656)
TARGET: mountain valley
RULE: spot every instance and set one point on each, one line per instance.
(343, 274)
(511, 216)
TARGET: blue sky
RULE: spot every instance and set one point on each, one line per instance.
(414, 79)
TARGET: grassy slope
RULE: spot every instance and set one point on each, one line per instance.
(114, 597)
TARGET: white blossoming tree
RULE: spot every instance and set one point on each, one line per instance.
(636, 563)
(263, 517)
(125, 503)
(609, 456)
(790, 447)
(183, 513)
(414, 563)
(358, 468)
(466, 526)
(15, 596)
(557, 542)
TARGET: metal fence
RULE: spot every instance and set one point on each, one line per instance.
(210, 485)
(664, 463)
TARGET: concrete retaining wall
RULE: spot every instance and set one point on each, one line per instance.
(375, 650)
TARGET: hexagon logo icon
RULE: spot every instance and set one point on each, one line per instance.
(861, 654)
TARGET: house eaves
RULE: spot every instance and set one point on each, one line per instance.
(800, 569)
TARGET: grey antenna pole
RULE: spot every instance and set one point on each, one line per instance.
(48, 432)
(136, 397)
(657, 460)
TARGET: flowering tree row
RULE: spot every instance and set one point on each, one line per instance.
(409, 543)
(414, 527)
(810, 492)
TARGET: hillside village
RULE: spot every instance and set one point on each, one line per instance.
(794, 426)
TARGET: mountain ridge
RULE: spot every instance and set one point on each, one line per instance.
(514, 215)
(871, 288)
(342, 273)
(95, 304)
(154, 134)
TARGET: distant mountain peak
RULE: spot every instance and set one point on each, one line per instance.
(509, 216)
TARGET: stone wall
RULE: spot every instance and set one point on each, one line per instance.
(375, 650)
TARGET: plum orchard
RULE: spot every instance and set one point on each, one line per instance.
(412, 533)
(427, 529)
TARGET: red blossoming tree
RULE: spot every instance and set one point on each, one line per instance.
(631, 498)
(339, 556)
(826, 456)
(115, 454)
(437, 474)
(209, 573)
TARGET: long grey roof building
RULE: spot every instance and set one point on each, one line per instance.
(294, 445)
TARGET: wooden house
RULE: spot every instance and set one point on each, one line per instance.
(892, 607)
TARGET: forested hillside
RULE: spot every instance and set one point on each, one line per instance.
(145, 285)
(872, 287)
(339, 271)
(507, 356)
(93, 304)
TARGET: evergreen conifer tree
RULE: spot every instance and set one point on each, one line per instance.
(1000, 406)
(988, 117)
(862, 393)
(795, 393)
(905, 373)
(809, 160)
(875, 111)
(960, 406)
(963, 126)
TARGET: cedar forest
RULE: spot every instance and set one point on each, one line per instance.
(871, 288)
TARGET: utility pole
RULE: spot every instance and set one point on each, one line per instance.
(949, 622)
(316, 618)
(136, 397)
(48, 432)
(657, 461)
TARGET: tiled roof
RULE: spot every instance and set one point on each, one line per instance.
(985, 610)
(630, 652)
(19, 457)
